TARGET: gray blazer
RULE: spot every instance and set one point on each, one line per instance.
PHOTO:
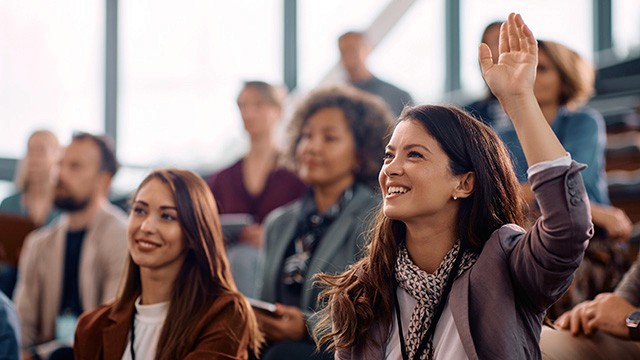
(499, 303)
(340, 246)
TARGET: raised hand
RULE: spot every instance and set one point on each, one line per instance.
(511, 80)
(515, 71)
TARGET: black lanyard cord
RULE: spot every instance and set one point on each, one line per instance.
(438, 312)
(133, 333)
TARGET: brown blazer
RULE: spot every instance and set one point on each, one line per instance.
(222, 333)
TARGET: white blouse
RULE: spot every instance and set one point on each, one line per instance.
(446, 339)
(148, 325)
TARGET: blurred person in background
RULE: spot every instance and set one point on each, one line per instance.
(74, 263)
(257, 183)
(337, 137)
(607, 327)
(35, 181)
(354, 51)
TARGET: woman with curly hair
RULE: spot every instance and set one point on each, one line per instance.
(448, 273)
(336, 145)
(179, 300)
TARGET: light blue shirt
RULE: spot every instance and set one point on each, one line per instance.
(583, 135)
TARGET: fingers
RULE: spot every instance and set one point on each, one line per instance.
(563, 321)
(587, 315)
(577, 322)
(528, 42)
(267, 324)
(512, 30)
(503, 41)
(485, 57)
(515, 35)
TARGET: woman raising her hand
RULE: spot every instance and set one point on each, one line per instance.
(448, 273)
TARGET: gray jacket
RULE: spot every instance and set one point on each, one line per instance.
(340, 246)
(498, 305)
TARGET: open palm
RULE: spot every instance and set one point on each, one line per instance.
(514, 74)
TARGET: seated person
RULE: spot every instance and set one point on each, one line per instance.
(607, 327)
(74, 263)
(257, 183)
(35, 182)
(337, 143)
(179, 300)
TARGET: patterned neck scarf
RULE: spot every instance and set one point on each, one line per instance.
(428, 290)
(312, 227)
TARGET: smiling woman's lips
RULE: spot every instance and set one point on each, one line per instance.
(146, 245)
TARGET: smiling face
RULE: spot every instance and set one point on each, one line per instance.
(416, 181)
(326, 151)
(155, 237)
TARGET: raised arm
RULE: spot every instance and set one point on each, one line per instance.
(511, 80)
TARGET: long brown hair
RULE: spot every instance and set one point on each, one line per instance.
(363, 294)
(205, 272)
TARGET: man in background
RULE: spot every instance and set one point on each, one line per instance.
(74, 263)
(354, 51)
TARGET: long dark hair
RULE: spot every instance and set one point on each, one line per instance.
(363, 294)
(205, 272)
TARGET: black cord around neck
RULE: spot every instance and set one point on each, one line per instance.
(438, 312)
(133, 332)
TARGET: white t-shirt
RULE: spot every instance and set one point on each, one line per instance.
(148, 325)
(446, 339)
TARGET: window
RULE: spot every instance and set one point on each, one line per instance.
(568, 22)
(626, 32)
(52, 70)
(181, 68)
(405, 57)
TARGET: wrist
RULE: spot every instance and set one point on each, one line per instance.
(513, 99)
(633, 325)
